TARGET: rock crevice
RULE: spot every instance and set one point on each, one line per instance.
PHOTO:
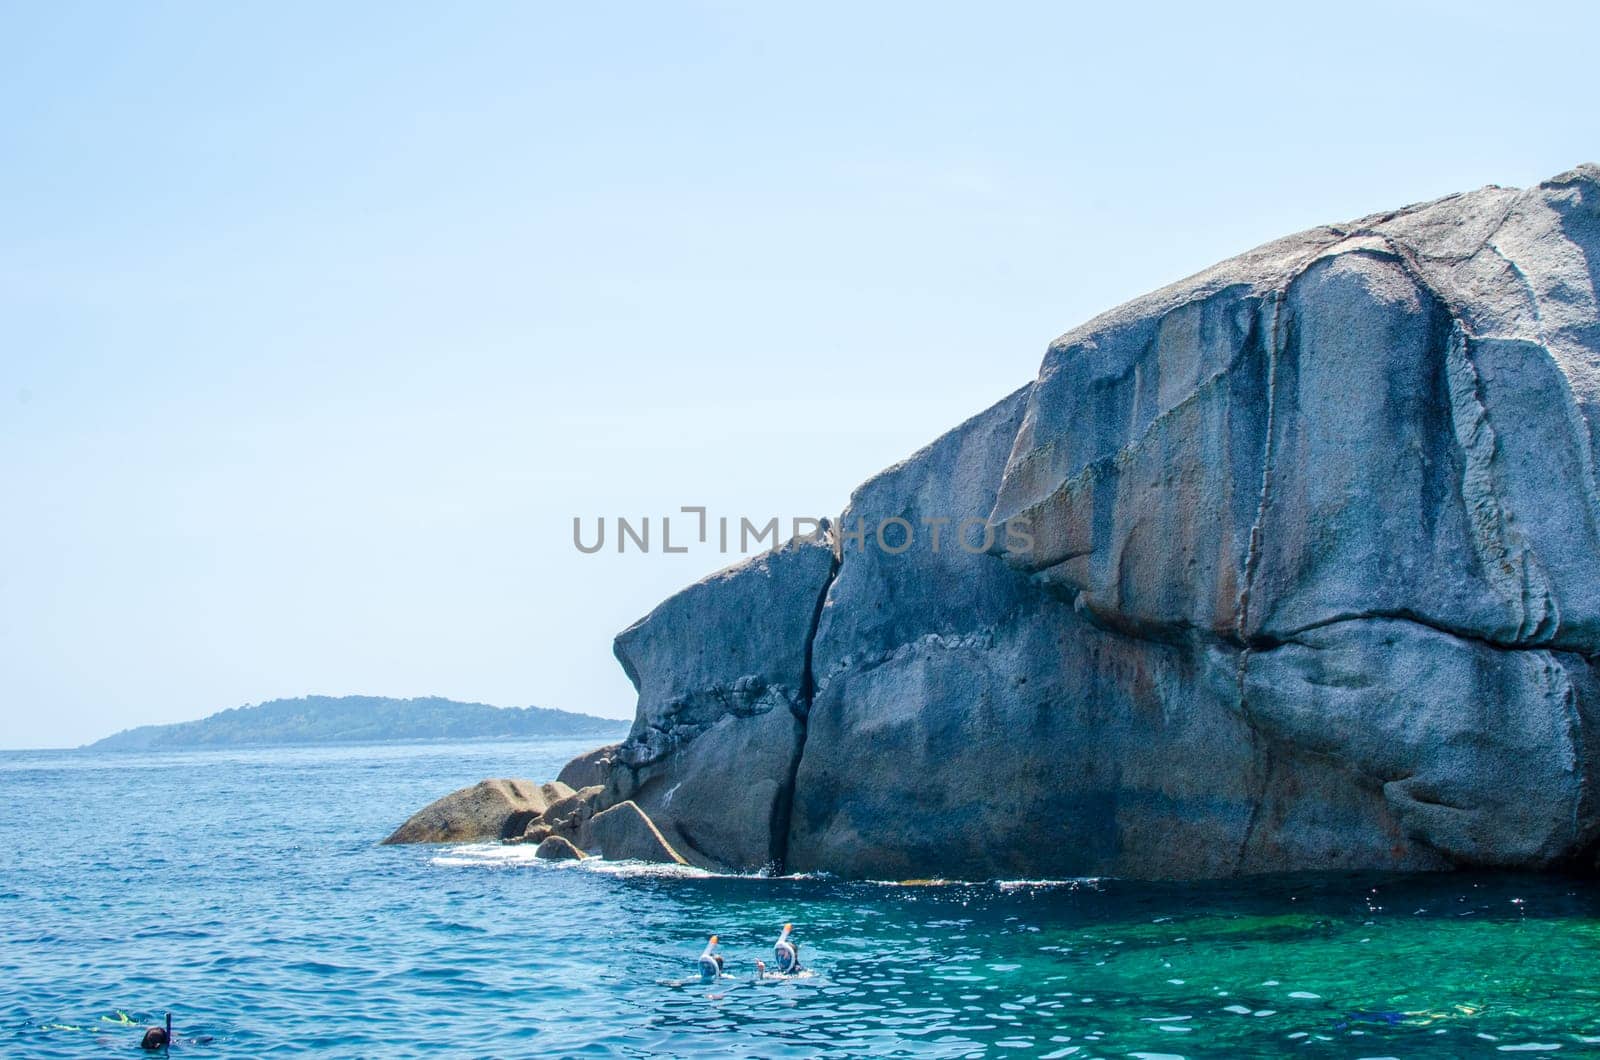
(783, 805)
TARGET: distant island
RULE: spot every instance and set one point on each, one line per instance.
(357, 719)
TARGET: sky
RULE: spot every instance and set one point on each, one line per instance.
(319, 324)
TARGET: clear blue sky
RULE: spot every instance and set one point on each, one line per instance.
(319, 323)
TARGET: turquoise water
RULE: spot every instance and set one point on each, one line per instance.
(246, 892)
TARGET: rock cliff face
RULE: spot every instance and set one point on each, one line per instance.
(1313, 583)
(724, 679)
(1308, 577)
(1355, 468)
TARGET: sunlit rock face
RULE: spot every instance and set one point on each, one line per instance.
(1313, 581)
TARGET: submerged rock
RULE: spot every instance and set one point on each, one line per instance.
(558, 848)
(489, 809)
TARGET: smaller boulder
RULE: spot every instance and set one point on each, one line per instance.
(535, 832)
(573, 812)
(626, 833)
(489, 809)
(590, 768)
(558, 848)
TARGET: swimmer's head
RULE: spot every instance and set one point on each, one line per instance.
(710, 961)
(786, 953)
(154, 1038)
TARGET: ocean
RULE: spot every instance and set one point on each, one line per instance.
(246, 893)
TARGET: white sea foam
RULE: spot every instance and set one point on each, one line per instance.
(521, 855)
(1080, 881)
(484, 855)
(491, 855)
(630, 869)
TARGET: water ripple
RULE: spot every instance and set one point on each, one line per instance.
(285, 930)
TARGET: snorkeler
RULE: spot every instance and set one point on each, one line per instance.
(157, 1037)
(786, 953)
(711, 961)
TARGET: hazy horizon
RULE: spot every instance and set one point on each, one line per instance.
(321, 325)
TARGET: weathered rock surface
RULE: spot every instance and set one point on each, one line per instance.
(1479, 751)
(1392, 417)
(625, 832)
(490, 809)
(723, 680)
(968, 723)
(558, 848)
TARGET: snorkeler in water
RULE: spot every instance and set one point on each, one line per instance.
(786, 953)
(711, 961)
(157, 1037)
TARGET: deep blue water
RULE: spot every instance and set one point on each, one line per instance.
(246, 892)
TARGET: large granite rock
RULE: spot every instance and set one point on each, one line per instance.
(1294, 564)
(489, 809)
(722, 670)
(1312, 578)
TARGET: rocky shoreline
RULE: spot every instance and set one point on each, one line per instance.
(565, 824)
(1311, 581)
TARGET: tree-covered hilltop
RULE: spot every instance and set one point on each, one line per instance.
(357, 719)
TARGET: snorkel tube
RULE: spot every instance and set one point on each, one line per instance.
(710, 961)
(786, 952)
